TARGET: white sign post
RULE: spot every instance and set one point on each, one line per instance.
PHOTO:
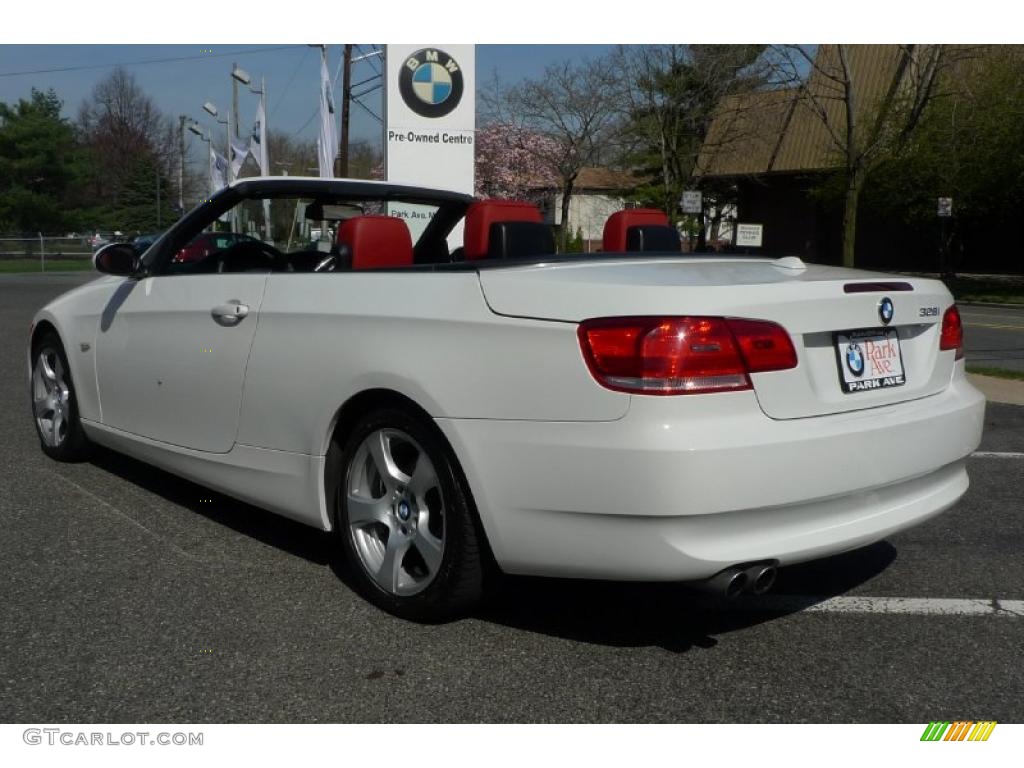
(692, 201)
(429, 125)
(749, 235)
(945, 207)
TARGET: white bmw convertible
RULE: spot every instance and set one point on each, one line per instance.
(471, 401)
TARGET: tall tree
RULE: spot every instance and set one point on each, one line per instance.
(968, 146)
(40, 163)
(865, 124)
(673, 94)
(123, 128)
(577, 106)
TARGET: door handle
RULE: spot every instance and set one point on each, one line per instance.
(230, 313)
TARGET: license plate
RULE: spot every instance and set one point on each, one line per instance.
(869, 360)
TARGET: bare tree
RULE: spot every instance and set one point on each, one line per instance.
(123, 128)
(866, 119)
(673, 94)
(576, 106)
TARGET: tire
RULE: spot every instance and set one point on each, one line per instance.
(54, 403)
(409, 535)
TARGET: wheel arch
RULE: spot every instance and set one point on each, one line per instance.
(345, 420)
(41, 327)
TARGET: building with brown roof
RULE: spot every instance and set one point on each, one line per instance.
(777, 147)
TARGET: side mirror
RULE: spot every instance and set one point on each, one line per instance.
(116, 259)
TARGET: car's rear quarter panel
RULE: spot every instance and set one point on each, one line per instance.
(322, 339)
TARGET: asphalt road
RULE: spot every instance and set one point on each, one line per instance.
(994, 335)
(132, 596)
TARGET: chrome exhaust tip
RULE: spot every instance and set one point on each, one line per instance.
(760, 578)
(729, 583)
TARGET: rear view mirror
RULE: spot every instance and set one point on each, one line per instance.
(116, 259)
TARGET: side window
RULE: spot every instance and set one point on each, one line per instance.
(254, 236)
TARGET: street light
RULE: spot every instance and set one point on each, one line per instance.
(264, 159)
(203, 136)
(241, 75)
(211, 109)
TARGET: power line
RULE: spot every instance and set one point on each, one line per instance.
(284, 91)
(366, 91)
(315, 112)
(373, 114)
(141, 62)
(369, 59)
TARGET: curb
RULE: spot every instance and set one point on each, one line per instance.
(996, 390)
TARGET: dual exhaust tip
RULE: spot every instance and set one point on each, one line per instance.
(732, 582)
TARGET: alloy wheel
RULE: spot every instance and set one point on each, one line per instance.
(395, 512)
(51, 397)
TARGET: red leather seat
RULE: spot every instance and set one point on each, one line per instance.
(619, 224)
(480, 217)
(376, 241)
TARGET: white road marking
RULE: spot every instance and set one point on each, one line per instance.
(997, 455)
(913, 606)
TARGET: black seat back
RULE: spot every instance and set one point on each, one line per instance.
(653, 238)
(517, 239)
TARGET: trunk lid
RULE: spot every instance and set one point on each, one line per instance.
(812, 302)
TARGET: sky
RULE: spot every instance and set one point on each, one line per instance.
(292, 77)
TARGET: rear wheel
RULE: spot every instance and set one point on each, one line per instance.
(404, 520)
(54, 405)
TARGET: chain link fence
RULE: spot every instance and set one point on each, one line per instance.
(34, 252)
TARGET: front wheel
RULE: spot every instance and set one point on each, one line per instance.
(54, 405)
(404, 520)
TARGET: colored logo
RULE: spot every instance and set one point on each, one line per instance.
(431, 83)
(855, 359)
(886, 310)
(959, 731)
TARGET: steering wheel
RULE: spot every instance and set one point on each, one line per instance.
(251, 255)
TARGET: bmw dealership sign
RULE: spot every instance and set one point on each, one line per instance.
(431, 82)
(431, 114)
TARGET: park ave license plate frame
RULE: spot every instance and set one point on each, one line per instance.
(869, 359)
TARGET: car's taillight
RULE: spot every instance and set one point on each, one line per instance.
(682, 355)
(952, 332)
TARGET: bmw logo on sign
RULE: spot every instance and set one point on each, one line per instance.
(886, 310)
(431, 83)
(855, 359)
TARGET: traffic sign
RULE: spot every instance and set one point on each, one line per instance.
(691, 201)
(749, 235)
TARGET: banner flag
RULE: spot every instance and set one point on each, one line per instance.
(240, 150)
(218, 166)
(328, 143)
(258, 139)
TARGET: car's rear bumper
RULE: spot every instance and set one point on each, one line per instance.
(682, 487)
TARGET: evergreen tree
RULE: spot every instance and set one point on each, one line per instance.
(40, 164)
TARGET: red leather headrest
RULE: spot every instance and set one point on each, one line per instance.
(481, 215)
(618, 223)
(377, 241)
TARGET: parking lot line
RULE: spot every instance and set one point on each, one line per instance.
(914, 606)
(997, 455)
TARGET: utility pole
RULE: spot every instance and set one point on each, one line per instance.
(234, 99)
(181, 164)
(346, 103)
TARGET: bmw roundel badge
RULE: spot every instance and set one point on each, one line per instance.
(886, 310)
(431, 83)
(855, 359)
